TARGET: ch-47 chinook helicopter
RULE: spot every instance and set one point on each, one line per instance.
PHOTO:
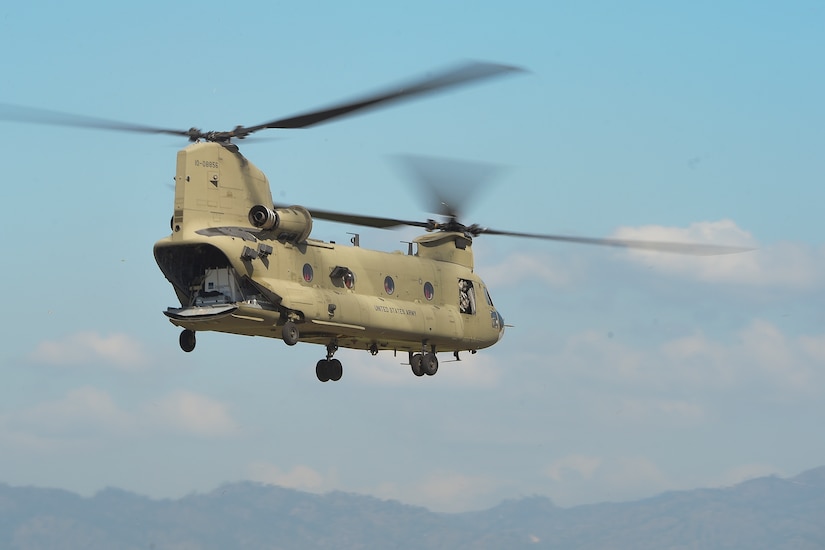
(241, 264)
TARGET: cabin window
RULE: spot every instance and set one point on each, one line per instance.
(349, 279)
(389, 285)
(429, 292)
(466, 297)
(307, 273)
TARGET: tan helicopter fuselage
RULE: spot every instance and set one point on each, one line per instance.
(235, 276)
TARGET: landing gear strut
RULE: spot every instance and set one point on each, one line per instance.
(187, 340)
(329, 368)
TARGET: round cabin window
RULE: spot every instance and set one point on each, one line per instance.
(428, 290)
(307, 272)
(389, 285)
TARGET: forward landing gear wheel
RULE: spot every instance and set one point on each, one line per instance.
(329, 369)
(430, 364)
(290, 333)
(187, 340)
(417, 364)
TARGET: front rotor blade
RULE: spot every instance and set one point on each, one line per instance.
(693, 249)
(367, 221)
(19, 113)
(449, 185)
(463, 74)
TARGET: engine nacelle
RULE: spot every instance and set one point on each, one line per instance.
(292, 224)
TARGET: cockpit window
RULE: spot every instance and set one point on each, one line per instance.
(488, 297)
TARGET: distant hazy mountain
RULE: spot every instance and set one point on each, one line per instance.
(769, 512)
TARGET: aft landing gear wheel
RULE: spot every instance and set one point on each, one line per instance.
(322, 370)
(417, 364)
(187, 340)
(424, 363)
(290, 333)
(335, 370)
(430, 364)
(329, 369)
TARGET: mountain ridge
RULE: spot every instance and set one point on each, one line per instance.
(766, 512)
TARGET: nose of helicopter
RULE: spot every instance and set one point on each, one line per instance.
(500, 325)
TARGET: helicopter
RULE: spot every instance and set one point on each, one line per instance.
(241, 264)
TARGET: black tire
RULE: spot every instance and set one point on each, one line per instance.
(430, 364)
(322, 370)
(187, 340)
(417, 364)
(335, 370)
(290, 333)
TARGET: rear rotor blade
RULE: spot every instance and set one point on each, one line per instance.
(19, 113)
(693, 249)
(462, 74)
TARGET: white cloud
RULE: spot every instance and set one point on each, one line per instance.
(443, 491)
(758, 353)
(744, 472)
(577, 479)
(81, 348)
(630, 473)
(813, 347)
(518, 268)
(784, 264)
(81, 412)
(582, 466)
(660, 409)
(90, 414)
(194, 414)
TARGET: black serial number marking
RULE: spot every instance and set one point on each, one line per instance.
(206, 163)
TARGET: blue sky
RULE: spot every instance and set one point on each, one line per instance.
(625, 374)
